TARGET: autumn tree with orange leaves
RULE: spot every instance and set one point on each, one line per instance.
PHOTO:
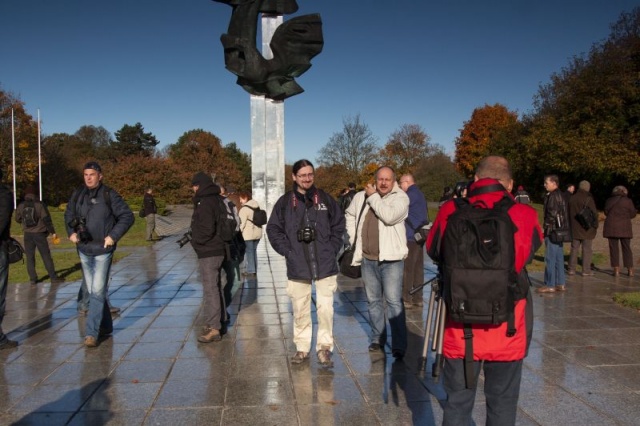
(476, 135)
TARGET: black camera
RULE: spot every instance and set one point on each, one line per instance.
(79, 225)
(306, 234)
(185, 239)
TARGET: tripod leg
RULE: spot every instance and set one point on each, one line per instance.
(438, 364)
(436, 327)
(427, 332)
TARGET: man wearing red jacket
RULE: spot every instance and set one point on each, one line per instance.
(498, 355)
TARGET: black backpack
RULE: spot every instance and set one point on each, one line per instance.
(225, 221)
(259, 216)
(29, 215)
(480, 284)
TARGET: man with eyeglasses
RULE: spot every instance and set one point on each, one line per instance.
(306, 227)
(414, 263)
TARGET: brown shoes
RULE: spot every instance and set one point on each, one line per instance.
(324, 357)
(210, 335)
(90, 342)
(301, 357)
(561, 288)
(546, 289)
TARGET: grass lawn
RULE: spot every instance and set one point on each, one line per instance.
(65, 257)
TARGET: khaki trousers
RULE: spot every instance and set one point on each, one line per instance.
(300, 293)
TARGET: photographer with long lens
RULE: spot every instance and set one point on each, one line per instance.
(96, 218)
(306, 226)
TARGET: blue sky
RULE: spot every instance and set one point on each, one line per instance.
(160, 63)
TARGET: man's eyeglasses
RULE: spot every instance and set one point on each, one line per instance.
(308, 175)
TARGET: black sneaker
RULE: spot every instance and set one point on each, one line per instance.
(397, 354)
(8, 344)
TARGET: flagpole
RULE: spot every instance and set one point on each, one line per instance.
(39, 159)
(13, 149)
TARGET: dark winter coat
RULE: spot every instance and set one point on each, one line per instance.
(42, 213)
(619, 211)
(555, 203)
(206, 202)
(149, 204)
(576, 203)
(113, 218)
(417, 211)
(6, 210)
(319, 211)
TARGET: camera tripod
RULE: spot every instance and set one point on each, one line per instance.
(436, 315)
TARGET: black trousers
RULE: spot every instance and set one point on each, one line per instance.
(501, 389)
(33, 240)
(413, 272)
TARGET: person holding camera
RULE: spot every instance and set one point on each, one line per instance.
(306, 227)
(381, 249)
(210, 248)
(96, 218)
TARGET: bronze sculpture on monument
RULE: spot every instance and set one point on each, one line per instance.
(269, 77)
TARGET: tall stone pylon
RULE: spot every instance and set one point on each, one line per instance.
(267, 134)
(269, 75)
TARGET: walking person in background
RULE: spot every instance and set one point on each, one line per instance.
(250, 232)
(581, 237)
(97, 217)
(150, 210)
(555, 216)
(522, 196)
(36, 223)
(619, 210)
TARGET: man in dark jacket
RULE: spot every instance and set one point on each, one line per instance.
(210, 249)
(414, 263)
(306, 227)
(35, 235)
(97, 217)
(346, 198)
(498, 354)
(150, 210)
(581, 199)
(6, 210)
(556, 217)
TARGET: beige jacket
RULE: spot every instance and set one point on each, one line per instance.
(248, 229)
(391, 210)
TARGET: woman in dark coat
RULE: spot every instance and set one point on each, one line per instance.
(581, 237)
(619, 210)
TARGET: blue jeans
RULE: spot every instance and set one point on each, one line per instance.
(384, 279)
(251, 256)
(4, 281)
(95, 270)
(553, 264)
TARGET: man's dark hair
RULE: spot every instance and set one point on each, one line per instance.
(553, 178)
(300, 164)
(352, 185)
